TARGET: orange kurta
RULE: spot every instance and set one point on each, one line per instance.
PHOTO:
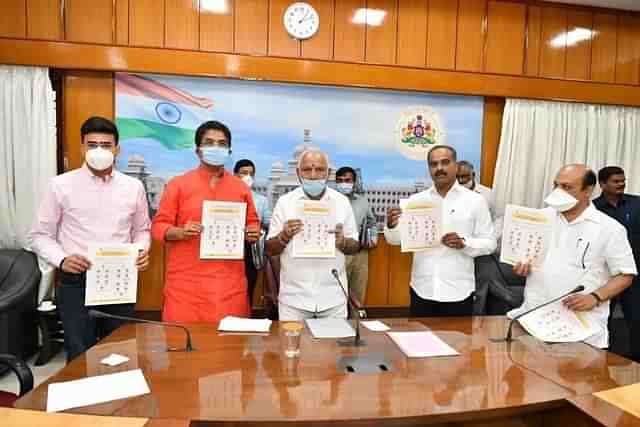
(198, 290)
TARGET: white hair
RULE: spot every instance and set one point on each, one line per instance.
(312, 151)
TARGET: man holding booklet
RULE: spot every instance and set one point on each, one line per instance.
(587, 248)
(456, 224)
(312, 229)
(205, 277)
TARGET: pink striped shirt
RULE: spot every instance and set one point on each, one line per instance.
(80, 208)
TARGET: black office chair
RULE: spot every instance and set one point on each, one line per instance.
(25, 378)
(498, 289)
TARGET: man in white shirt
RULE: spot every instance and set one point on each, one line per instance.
(590, 249)
(307, 287)
(467, 178)
(443, 278)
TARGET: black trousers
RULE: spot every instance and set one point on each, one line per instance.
(250, 272)
(630, 300)
(427, 308)
(81, 331)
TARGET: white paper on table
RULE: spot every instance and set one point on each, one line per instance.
(317, 238)
(526, 235)
(422, 344)
(114, 360)
(223, 226)
(375, 325)
(239, 324)
(330, 328)
(113, 276)
(557, 323)
(420, 225)
(93, 390)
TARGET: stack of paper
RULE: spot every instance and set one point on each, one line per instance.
(421, 344)
(239, 324)
(330, 328)
(556, 323)
(93, 390)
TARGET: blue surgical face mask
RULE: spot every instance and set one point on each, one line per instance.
(313, 187)
(214, 156)
(345, 188)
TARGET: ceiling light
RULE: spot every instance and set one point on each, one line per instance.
(573, 37)
(214, 6)
(372, 17)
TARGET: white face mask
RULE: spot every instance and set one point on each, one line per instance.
(248, 179)
(560, 200)
(99, 158)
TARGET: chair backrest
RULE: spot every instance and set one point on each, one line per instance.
(271, 272)
(19, 274)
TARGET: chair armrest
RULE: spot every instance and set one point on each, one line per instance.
(22, 371)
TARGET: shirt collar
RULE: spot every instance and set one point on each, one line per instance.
(456, 187)
(108, 177)
(204, 173)
(326, 196)
(590, 214)
(603, 201)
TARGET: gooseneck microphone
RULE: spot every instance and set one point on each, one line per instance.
(508, 338)
(188, 347)
(351, 303)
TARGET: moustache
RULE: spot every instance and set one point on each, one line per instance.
(441, 174)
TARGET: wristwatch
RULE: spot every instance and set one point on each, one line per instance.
(597, 297)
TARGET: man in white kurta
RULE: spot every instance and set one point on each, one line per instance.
(589, 248)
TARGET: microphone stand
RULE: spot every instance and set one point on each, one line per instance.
(508, 338)
(357, 342)
(103, 315)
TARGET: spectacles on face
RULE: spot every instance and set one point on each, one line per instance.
(215, 143)
(107, 145)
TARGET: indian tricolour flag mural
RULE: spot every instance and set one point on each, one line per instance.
(150, 109)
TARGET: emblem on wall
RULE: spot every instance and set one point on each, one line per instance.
(418, 130)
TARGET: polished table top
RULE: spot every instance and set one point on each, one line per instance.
(241, 378)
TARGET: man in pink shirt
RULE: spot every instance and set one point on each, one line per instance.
(92, 204)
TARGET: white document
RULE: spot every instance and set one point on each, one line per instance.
(375, 325)
(422, 344)
(114, 360)
(223, 226)
(527, 235)
(330, 328)
(317, 238)
(239, 324)
(93, 390)
(113, 276)
(556, 323)
(420, 225)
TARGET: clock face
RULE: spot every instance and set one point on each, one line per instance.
(301, 20)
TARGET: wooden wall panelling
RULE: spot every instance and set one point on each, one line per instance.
(182, 24)
(378, 282)
(399, 276)
(280, 42)
(412, 32)
(605, 43)
(90, 22)
(380, 44)
(506, 24)
(533, 41)
(251, 18)
(217, 26)
(491, 132)
(44, 19)
(349, 38)
(470, 40)
(146, 23)
(320, 46)
(553, 54)
(628, 60)
(13, 18)
(122, 22)
(441, 34)
(579, 51)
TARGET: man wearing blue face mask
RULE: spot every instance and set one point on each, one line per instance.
(358, 265)
(202, 290)
(307, 287)
(590, 249)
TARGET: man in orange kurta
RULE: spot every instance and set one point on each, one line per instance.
(202, 290)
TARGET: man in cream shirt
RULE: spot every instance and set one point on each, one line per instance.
(443, 278)
(307, 287)
(589, 249)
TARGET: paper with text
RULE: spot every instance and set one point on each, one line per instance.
(113, 276)
(527, 235)
(556, 323)
(422, 344)
(317, 238)
(420, 225)
(223, 227)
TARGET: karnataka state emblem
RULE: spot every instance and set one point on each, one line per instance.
(418, 131)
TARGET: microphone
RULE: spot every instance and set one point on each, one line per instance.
(96, 314)
(351, 303)
(508, 338)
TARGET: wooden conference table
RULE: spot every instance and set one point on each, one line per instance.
(247, 380)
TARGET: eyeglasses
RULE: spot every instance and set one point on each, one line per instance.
(108, 145)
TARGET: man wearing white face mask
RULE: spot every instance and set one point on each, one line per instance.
(92, 204)
(589, 248)
(245, 169)
(307, 287)
(466, 177)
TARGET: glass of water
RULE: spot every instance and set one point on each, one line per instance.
(291, 332)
